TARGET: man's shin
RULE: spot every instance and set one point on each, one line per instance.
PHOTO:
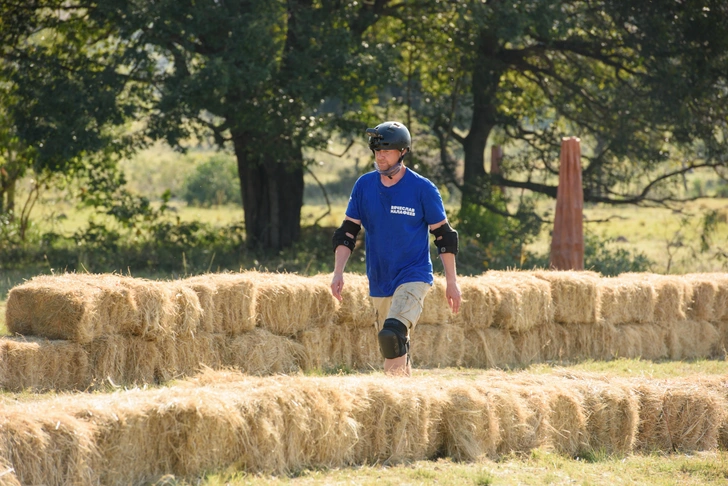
(398, 366)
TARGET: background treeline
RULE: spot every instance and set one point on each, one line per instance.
(275, 85)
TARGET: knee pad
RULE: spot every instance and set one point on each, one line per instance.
(393, 341)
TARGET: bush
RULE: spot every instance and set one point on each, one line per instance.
(213, 182)
(489, 241)
(601, 256)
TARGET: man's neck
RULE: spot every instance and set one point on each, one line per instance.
(389, 182)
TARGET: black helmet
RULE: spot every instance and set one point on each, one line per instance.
(390, 135)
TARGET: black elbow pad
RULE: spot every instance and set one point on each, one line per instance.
(342, 238)
(446, 239)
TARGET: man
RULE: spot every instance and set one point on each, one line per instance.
(397, 207)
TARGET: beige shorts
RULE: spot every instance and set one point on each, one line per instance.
(405, 305)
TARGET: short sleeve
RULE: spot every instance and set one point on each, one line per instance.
(433, 205)
(353, 209)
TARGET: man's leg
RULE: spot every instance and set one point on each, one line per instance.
(402, 312)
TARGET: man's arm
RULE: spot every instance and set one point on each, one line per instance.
(341, 256)
(448, 262)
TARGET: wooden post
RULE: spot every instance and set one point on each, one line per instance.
(567, 242)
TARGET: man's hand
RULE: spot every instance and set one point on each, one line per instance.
(337, 285)
(453, 296)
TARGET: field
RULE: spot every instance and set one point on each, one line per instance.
(543, 378)
(686, 359)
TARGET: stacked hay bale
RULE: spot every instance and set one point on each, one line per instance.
(77, 331)
(285, 424)
(80, 331)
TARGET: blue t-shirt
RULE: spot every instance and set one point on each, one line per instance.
(396, 220)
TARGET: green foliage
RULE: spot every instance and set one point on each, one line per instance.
(491, 241)
(213, 182)
(601, 256)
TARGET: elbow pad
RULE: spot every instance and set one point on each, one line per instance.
(446, 239)
(341, 237)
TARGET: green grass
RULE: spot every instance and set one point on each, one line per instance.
(659, 233)
(538, 468)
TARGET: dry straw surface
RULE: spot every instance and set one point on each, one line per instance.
(289, 303)
(574, 296)
(81, 331)
(525, 301)
(285, 424)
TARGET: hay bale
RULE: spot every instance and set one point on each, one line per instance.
(525, 301)
(489, 348)
(288, 303)
(38, 365)
(574, 294)
(146, 434)
(84, 307)
(187, 310)
(470, 429)
(672, 299)
(709, 296)
(435, 309)
(7, 473)
(156, 306)
(520, 425)
(720, 308)
(626, 301)
(318, 347)
(312, 425)
(153, 313)
(54, 307)
(530, 345)
(356, 308)
(612, 411)
(230, 298)
(567, 422)
(558, 418)
(364, 349)
(574, 342)
(316, 343)
(480, 300)
(143, 362)
(645, 341)
(48, 446)
(690, 339)
(107, 358)
(260, 352)
(205, 288)
(283, 425)
(436, 346)
(722, 329)
(678, 416)
(397, 421)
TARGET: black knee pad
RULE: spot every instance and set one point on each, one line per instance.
(393, 341)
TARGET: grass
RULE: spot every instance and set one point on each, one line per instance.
(670, 239)
(538, 468)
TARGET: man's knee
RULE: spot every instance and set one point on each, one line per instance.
(393, 340)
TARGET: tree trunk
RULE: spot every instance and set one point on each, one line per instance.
(272, 190)
(486, 77)
(7, 195)
(10, 196)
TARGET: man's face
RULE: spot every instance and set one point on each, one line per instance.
(386, 158)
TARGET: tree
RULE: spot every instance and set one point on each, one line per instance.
(634, 80)
(253, 73)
